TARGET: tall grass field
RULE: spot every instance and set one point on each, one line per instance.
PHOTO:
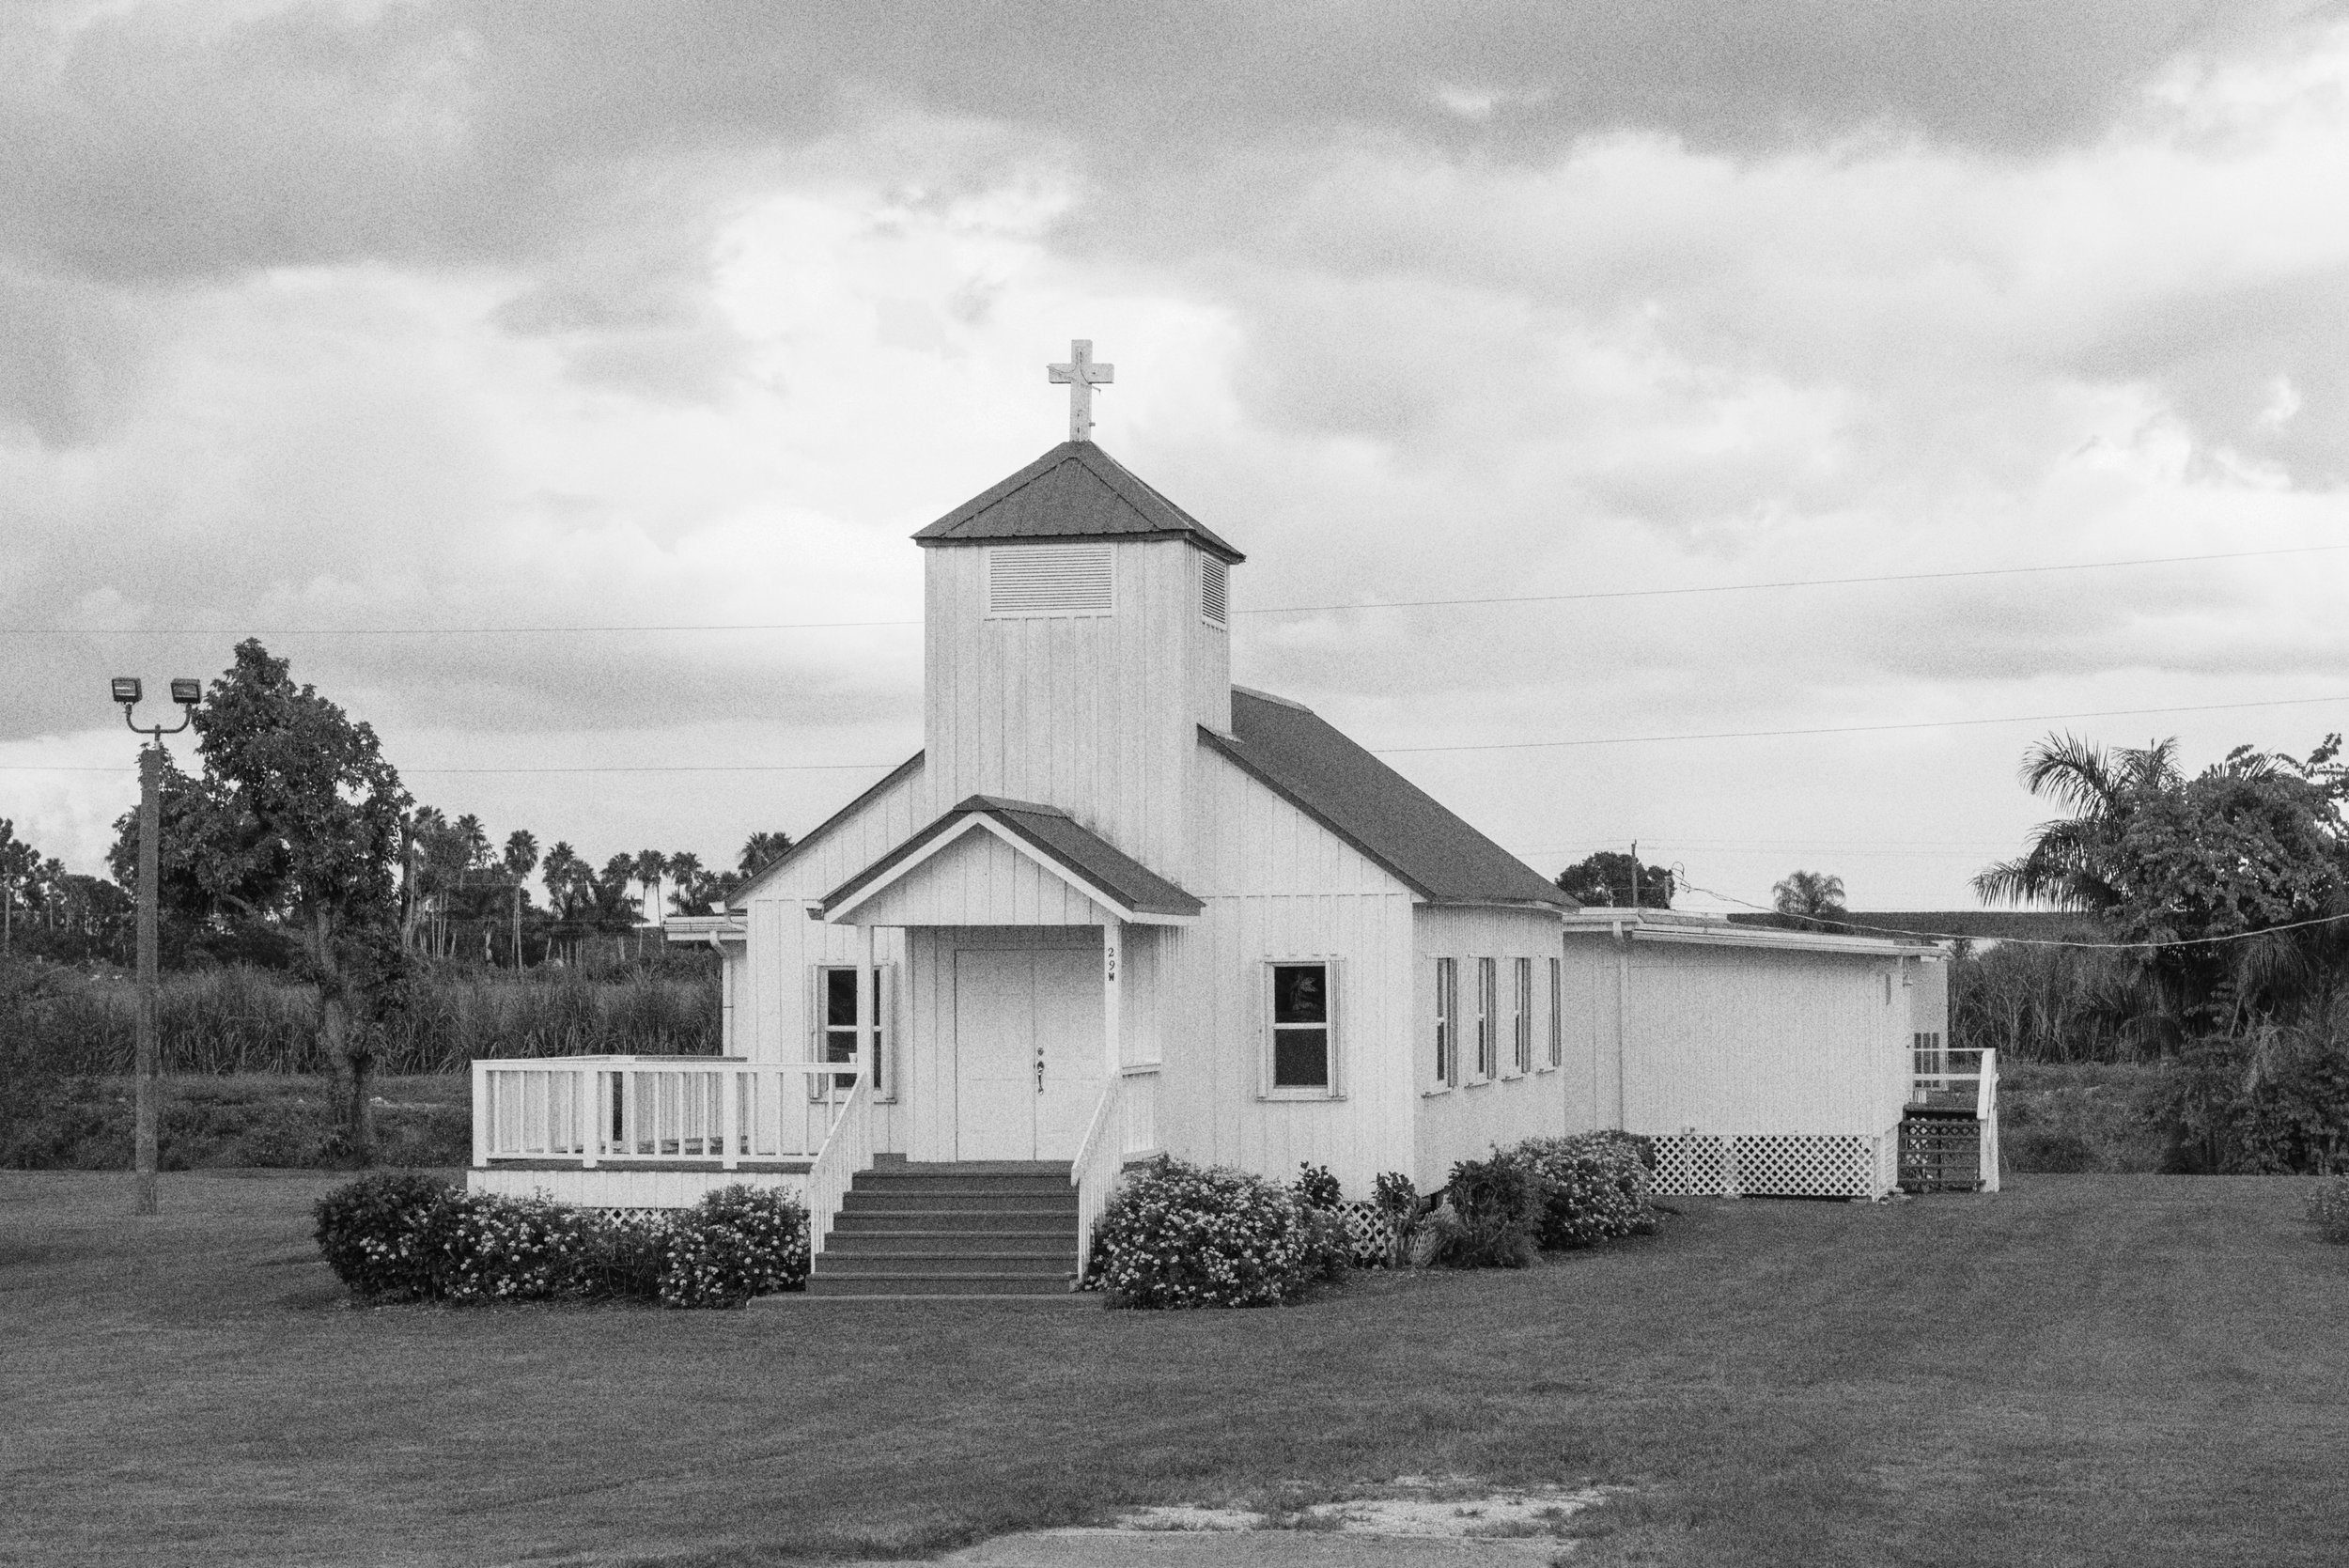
(238, 1019)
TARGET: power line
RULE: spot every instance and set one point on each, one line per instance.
(1849, 729)
(1270, 610)
(1375, 751)
(1793, 582)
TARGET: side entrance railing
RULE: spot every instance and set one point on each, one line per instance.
(1125, 1128)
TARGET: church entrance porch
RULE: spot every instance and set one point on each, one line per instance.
(1029, 1060)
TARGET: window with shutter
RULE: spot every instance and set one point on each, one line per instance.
(1051, 580)
(1211, 588)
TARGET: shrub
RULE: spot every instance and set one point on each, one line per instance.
(486, 1246)
(1315, 1188)
(1175, 1235)
(1595, 1187)
(377, 1232)
(737, 1242)
(1394, 1192)
(2328, 1209)
(1498, 1203)
(403, 1236)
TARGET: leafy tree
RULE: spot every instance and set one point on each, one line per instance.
(1809, 895)
(298, 821)
(762, 849)
(1613, 878)
(2253, 842)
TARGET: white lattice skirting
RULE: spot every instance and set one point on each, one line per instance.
(1775, 1165)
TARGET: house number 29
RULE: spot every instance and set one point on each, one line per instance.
(1109, 969)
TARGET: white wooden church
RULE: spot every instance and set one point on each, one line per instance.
(1117, 905)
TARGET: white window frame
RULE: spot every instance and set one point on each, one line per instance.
(820, 1031)
(1487, 1021)
(1105, 554)
(1557, 1017)
(1521, 1019)
(1332, 979)
(1447, 1024)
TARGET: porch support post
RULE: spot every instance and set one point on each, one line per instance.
(867, 1004)
(1112, 993)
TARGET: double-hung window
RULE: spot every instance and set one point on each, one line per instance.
(1488, 1020)
(835, 999)
(1557, 1017)
(1521, 1020)
(1447, 1022)
(1303, 1031)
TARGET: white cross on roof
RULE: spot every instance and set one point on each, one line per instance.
(1080, 376)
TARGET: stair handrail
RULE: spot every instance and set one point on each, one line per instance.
(1093, 1171)
(1987, 1116)
(848, 1149)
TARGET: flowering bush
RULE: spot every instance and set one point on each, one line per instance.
(488, 1247)
(2328, 1209)
(737, 1242)
(401, 1237)
(1595, 1187)
(373, 1232)
(1175, 1235)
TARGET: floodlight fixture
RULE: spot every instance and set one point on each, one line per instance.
(187, 693)
(127, 688)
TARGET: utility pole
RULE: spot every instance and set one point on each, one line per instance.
(148, 1062)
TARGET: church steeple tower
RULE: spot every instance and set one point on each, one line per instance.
(1075, 640)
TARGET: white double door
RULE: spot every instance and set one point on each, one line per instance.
(1028, 1050)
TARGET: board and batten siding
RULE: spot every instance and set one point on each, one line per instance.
(1277, 885)
(1095, 714)
(979, 880)
(1735, 1040)
(1469, 1120)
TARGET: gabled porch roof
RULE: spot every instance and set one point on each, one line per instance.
(1043, 834)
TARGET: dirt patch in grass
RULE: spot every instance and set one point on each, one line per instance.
(2082, 1368)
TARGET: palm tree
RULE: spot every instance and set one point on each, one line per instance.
(685, 872)
(1811, 896)
(2072, 861)
(521, 857)
(763, 849)
(650, 866)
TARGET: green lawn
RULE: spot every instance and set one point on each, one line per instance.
(2129, 1370)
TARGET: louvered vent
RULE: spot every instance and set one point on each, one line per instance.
(1211, 584)
(1049, 579)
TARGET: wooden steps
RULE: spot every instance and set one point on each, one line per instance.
(1940, 1152)
(983, 1228)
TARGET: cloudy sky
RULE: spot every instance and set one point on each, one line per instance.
(320, 319)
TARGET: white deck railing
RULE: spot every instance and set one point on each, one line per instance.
(1125, 1126)
(1949, 1070)
(590, 1110)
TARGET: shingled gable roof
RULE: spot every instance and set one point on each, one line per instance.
(1053, 835)
(1305, 760)
(1074, 491)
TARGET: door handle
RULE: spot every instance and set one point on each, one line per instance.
(1039, 1072)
